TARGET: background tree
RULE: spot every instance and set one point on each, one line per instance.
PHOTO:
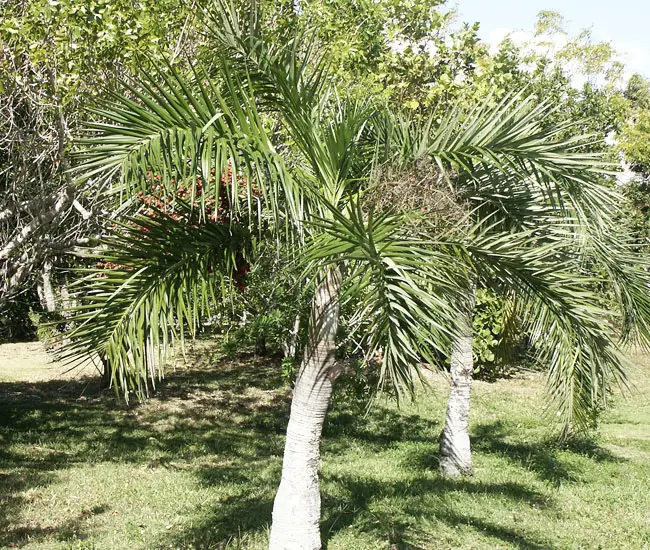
(595, 111)
(57, 58)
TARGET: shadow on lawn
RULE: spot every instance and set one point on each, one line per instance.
(224, 413)
(368, 505)
(423, 497)
(544, 457)
(235, 415)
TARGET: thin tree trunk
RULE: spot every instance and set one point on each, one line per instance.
(455, 450)
(66, 301)
(289, 346)
(48, 290)
(296, 510)
(40, 292)
(107, 373)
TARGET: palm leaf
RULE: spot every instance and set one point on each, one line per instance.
(405, 289)
(183, 131)
(157, 277)
(559, 312)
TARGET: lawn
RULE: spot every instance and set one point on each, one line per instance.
(197, 466)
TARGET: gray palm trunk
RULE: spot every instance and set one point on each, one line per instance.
(49, 298)
(106, 374)
(296, 510)
(455, 450)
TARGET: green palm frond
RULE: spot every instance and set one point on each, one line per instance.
(596, 243)
(289, 74)
(156, 279)
(583, 363)
(559, 311)
(184, 131)
(507, 142)
(404, 287)
(628, 275)
(293, 80)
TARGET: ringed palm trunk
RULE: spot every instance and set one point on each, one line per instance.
(455, 450)
(296, 509)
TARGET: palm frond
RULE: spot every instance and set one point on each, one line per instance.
(183, 132)
(403, 285)
(628, 275)
(507, 142)
(155, 280)
(294, 81)
(560, 314)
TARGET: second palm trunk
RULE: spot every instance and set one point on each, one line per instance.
(455, 450)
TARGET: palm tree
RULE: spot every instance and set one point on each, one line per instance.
(183, 132)
(546, 190)
(308, 184)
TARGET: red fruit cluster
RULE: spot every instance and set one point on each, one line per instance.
(111, 265)
(243, 269)
(217, 209)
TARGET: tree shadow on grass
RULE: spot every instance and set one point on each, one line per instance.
(222, 412)
(547, 458)
(349, 501)
(73, 529)
(229, 524)
(226, 424)
(369, 507)
(378, 429)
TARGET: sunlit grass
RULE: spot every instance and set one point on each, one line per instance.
(197, 467)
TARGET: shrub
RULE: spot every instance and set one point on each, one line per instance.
(498, 342)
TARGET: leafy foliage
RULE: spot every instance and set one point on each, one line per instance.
(15, 322)
(635, 141)
(165, 274)
(497, 336)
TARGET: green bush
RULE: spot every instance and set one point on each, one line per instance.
(498, 342)
(359, 381)
(289, 370)
(49, 325)
(260, 318)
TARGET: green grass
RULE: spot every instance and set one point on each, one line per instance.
(198, 465)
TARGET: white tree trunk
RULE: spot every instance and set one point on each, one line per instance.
(296, 510)
(455, 450)
(48, 289)
(289, 346)
(66, 300)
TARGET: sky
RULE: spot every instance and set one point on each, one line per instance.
(624, 23)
